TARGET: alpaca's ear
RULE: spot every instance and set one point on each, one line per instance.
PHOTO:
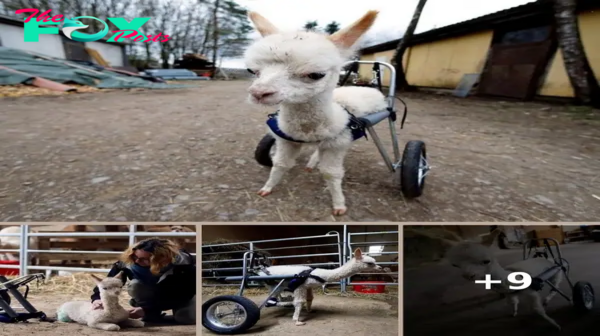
(264, 26)
(96, 278)
(491, 238)
(348, 36)
(357, 254)
(119, 275)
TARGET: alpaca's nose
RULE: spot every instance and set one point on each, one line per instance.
(259, 94)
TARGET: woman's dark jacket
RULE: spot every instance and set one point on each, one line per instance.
(176, 285)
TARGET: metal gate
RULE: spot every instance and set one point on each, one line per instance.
(24, 249)
(340, 247)
(329, 240)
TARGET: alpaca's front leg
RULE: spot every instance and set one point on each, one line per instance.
(513, 302)
(313, 161)
(309, 299)
(300, 295)
(104, 326)
(284, 159)
(332, 168)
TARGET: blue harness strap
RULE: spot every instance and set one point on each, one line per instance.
(301, 278)
(354, 124)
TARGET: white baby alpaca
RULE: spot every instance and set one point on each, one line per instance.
(476, 259)
(299, 72)
(303, 295)
(111, 318)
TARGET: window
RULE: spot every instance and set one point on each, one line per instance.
(530, 35)
(375, 250)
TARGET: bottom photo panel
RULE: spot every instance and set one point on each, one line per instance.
(516, 280)
(317, 280)
(97, 279)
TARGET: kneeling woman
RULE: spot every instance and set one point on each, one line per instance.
(162, 277)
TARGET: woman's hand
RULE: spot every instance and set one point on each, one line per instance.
(97, 305)
(136, 313)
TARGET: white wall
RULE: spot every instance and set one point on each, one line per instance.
(113, 54)
(13, 37)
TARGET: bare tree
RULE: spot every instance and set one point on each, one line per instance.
(311, 25)
(401, 81)
(332, 27)
(215, 34)
(581, 75)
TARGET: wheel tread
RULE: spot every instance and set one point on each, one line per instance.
(409, 170)
(252, 313)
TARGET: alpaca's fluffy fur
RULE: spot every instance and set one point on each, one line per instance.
(310, 110)
(303, 295)
(110, 318)
(476, 259)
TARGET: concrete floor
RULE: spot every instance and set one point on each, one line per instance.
(438, 301)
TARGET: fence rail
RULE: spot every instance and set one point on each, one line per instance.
(24, 249)
(344, 244)
(372, 254)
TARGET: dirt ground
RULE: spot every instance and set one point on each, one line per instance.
(48, 303)
(438, 301)
(187, 155)
(331, 316)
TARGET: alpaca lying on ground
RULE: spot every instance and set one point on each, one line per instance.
(303, 295)
(111, 318)
(476, 259)
(299, 72)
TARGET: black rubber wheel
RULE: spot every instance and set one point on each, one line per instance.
(409, 172)
(262, 154)
(252, 315)
(583, 296)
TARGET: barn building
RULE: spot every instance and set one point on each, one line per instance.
(514, 52)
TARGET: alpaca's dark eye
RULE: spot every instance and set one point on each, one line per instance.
(253, 72)
(315, 75)
(485, 262)
(454, 265)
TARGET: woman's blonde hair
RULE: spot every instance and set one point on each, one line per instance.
(163, 251)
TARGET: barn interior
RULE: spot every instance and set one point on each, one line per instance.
(318, 246)
(60, 251)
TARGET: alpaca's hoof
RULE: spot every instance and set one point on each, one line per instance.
(298, 323)
(263, 192)
(308, 169)
(113, 327)
(339, 211)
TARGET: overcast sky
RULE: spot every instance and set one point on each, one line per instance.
(393, 18)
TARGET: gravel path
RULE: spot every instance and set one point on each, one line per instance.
(187, 155)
